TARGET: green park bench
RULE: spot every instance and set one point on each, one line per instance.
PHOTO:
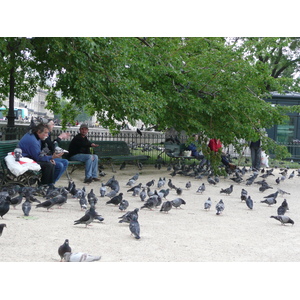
(108, 152)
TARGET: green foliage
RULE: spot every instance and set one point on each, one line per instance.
(192, 84)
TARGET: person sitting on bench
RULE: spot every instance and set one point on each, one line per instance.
(79, 149)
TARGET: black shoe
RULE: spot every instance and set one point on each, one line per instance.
(88, 180)
(96, 179)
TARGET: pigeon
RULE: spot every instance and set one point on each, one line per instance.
(62, 249)
(227, 191)
(292, 175)
(130, 182)
(123, 165)
(269, 201)
(1, 228)
(283, 219)
(5, 206)
(111, 194)
(178, 191)
(282, 192)
(16, 200)
(150, 203)
(47, 204)
(134, 187)
(277, 180)
(220, 207)
(150, 183)
(135, 177)
(134, 227)
(123, 205)
(136, 191)
(160, 183)
(188, 185)
(244, 194)
(87, 218)
(94, 214)
(80, 257)
(26, 207)
(178, 202)
(211, 181)
(164, 193)
(61, 199)
(171, 185)
(201, 188)
(166, 206)
(143, 194)
(207, 204)
(116, 200)
(102, 190)
(249, 202)
(83, 202)
(126, 218)
(273, 195)
(281, 210)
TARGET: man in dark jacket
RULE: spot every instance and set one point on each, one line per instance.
(79, 149)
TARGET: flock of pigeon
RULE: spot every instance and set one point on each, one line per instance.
(152, 195)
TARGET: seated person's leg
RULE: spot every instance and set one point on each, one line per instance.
(47, 169)
(60, 168)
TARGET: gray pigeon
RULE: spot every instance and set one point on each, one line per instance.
(87, 218)
(150, 203)
(143, 194)
(220, 207)
(134, 227)
(1, 228)
(16, 200)
(283, 219)
(62, 249)
(249, 202)
(269, 201)
(178, 202)
(47, 204)
(102, 190)
(188, 185)
(116, 200)
(244, 194)
(80, 257)
(5, 206)
(281, 210)
(282, 192)
(227, 191)
(166, 206)
(123, 205)
(207, 204)
(83, 202)
(126, 218)
(211, 181)
(201, 188)
(26, 207)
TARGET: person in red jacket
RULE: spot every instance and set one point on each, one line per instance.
(215, 145)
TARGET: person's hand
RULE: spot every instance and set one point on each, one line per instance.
(64, 135)
(57, 155)
(94, 145)
(52, 161)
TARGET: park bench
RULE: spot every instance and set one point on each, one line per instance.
(176, 151)
(108, 152)
(6, 176)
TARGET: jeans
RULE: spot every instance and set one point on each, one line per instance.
(91, 164)
(60, 167)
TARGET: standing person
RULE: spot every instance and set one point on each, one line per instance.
(255, 149)
(48, 146)
(79, 149)
(215, 145)
(31, 144)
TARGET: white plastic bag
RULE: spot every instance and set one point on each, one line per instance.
(20, 167)
(264, 159)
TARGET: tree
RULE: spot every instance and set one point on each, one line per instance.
(192, 84)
